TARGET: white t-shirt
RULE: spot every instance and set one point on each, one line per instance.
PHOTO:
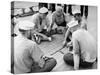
(85, 43)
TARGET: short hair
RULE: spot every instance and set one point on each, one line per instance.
(77, 14)
(46, 13)
(22, 31)
(59, 8)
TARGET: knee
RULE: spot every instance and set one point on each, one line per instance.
(67, 57)
(53, 61)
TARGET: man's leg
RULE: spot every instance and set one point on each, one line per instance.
(46, 35)
(53, 31)
(58, 30)
(49, 65)
(84, 64)
(38, 38)
(62, 28)
(68, 58)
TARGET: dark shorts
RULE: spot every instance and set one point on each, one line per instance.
(62, 24)
(44, 31)
(68, 58)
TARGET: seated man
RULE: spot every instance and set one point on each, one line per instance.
(28, 57)
(73, 25)
(42, 25)
(84, 52)
(59, 18)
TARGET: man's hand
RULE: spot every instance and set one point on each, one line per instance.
(64, 43)
(41, 62)
(47, 56)
(69, 44)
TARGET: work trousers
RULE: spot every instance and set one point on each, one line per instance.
(50, 63)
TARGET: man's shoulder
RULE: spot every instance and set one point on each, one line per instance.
(30, 42)
(35, 16)
(54, 14)
(77, 33)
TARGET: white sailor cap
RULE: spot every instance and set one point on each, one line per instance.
(76, 11)
(26, 25)
(36, 8)
(43, 10)
(58, 8)
(72, 23)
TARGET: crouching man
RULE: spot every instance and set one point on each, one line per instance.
(28, 57)
(84, 51)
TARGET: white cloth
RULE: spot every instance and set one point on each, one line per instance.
(83, 41)
(25, 51)
(72, 23)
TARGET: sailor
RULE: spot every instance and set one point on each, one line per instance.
(84, 51)
(42, 25)
(28, 57)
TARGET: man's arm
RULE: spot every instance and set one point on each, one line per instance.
(76, 54)
(38, 33)
(37, 54)
(48, 24)
(53, 20)
(66, 36)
